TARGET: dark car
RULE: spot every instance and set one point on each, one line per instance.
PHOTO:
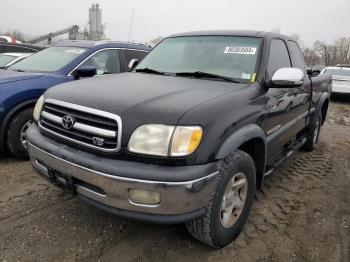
(24, 82)
(187, 136)
(6, 47)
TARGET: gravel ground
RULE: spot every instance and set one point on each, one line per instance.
(301, 214)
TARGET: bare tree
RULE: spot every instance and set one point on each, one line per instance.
(343, 50)
(311, 56)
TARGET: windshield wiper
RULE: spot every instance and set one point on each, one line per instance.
(200, 74)
(18, 70)
(150, 71)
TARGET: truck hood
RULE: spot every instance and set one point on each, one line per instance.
(141, 98)
(7, 76)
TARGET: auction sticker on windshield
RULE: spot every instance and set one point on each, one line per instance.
(243, 50)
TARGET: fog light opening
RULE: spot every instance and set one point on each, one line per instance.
(143, 197)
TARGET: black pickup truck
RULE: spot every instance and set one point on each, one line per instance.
(188, 135)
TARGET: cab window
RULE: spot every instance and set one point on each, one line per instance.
(278, 57)
(297, 57)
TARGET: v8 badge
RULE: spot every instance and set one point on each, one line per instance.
(97, 141)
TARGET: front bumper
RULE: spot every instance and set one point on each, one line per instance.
(107, 187)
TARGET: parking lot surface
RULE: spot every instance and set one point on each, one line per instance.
(302, 213)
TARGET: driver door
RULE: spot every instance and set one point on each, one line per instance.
(281, 103)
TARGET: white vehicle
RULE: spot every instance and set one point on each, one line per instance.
(8, 59)
(341, 79)
(9, 39)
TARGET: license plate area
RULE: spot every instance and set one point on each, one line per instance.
(63, 181)
(70, 183)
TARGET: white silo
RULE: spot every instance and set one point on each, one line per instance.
(96, 31)
(92, 19)
(98, 20)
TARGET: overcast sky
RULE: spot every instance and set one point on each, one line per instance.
(312, 19)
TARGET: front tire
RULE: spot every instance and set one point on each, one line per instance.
(231, 202)
(16, 138)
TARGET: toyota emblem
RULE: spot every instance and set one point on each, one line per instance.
(68, 122)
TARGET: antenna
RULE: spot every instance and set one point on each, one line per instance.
(131, 23)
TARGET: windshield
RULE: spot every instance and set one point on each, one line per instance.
(48, 60)
(5, 59)
(338, 72)
(227, 56)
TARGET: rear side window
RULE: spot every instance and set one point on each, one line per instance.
(279, 56)
(133, 54)
(297, 57)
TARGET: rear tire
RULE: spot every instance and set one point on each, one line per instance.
(16, 139)
(313, 135)
(231, 202)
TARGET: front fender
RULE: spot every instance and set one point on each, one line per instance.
(239, 137)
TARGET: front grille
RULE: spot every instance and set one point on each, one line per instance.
(85, 126)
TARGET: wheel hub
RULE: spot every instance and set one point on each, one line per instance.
(23, 136)
(233, 200)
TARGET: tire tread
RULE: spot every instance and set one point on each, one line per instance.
(200, 228)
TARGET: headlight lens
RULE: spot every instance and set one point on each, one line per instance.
(151, 140)
(186, 140)
(38, 107)
(164, 140)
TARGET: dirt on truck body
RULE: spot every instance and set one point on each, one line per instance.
(300, 214)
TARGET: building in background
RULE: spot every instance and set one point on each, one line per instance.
(95, 30)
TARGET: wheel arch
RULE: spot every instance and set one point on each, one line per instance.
(322, 107)
(252, 140)
(324, 110)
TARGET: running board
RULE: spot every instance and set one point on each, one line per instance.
(290, 150)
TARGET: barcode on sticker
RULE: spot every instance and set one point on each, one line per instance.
(244, 50)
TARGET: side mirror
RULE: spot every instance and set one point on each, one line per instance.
(85, 71)
(313, 71)
(287, 77)
(132, 64)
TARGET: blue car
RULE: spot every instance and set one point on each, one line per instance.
(24, 82)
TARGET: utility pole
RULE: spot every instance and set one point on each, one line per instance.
(131, 23)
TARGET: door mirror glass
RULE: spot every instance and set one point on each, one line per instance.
(85, 71)
(132, 64)
(287, 77)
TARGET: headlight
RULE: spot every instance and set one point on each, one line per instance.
(38, 107)
(164, 140)
(151, 140)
